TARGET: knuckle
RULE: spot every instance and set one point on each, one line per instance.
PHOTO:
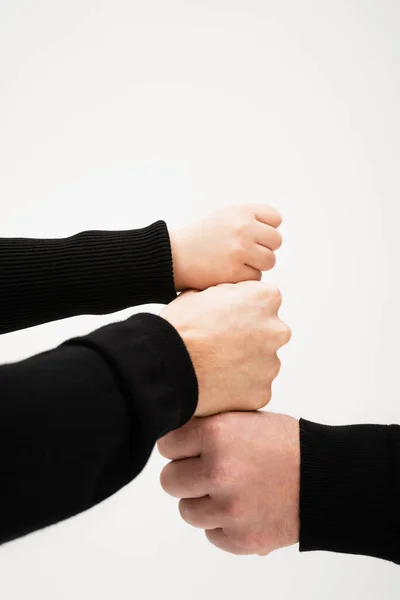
(267, 395)
(285, 333)
(214, 429)
(277, 295)
(276, 368)
(241, 223)
(263, 398)
(273, 294)
(288, 334)
(220, 473)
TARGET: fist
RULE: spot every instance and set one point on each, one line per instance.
(234, 244)
(238, 477)
(232, 333)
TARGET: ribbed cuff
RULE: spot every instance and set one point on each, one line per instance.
(347, 490)
(94, 272)
(114, 270)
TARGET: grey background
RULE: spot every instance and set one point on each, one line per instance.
(116, 113)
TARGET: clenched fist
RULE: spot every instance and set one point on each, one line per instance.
(238, 475)
(232, 333)
(234, 244)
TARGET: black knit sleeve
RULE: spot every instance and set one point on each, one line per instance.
(350, 489)
(79, 422)
(95, 272)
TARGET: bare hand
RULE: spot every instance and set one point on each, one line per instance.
(232, 333)
(238, 476)
(234, 244)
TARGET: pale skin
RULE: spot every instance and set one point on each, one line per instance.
(238, 477)
(231, 245)
(232, 333)
(236, 473)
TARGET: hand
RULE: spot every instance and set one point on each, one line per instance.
(238, 476)
(232, 333)
(234, 244)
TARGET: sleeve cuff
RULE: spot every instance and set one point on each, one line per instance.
(93, 272)
(119, 269)
(347, 490)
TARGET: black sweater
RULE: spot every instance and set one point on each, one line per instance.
(79, 422)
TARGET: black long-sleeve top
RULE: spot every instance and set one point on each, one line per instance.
(95, 272)
(350, 489)
(79, 422)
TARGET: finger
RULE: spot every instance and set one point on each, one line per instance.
(185, 479)
(203, 513)
(261, 258)
(270, 295)
(218, 538)
(266, 214)
(248, 273)
(185, 442)
(267, 236)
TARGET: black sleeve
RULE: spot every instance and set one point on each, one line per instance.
(95, 272)
(350, 489)
(79, 422)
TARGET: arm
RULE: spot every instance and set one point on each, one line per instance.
(281, 482)
(100, 272)
(80, 422)
(95, 272)
(350, 489)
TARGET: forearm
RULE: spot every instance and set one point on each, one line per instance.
(95, 272)
(350, 489)
(80, 422)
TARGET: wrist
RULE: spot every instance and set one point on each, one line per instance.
(178, 253)
(293, 481)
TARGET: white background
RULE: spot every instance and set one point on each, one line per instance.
(116, 113)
